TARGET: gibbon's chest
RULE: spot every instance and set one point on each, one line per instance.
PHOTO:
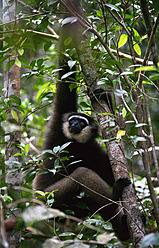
(88, 154)
(92, 156)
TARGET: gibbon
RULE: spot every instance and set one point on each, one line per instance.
(92, 171)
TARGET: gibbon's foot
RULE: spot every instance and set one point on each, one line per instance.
(124, 218)
(98, 93)
(123, 182)
(119, 185)
(101, 94)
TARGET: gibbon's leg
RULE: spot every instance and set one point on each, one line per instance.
(120, 227)
(83, 179)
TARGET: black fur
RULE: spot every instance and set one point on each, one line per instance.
(94, 171)
(100, 94)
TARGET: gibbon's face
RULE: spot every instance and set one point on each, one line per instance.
(77, 127)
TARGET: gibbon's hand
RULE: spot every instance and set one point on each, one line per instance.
(101, 94)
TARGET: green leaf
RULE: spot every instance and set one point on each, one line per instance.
(112, 7)
(18, 63)
(69, 20)
(40, 62)
(9, 64)
(15, 99)
(4, 116)
(39, 192)
(44, 152)
(37, 213)
(14, 115)
(23, 42)
(67, 74)
(155, 76)
(21, 51)
(67, 234)
(120, 133)
(53, 171)
(136, 139)
(29, 46)
(156, 4)
(140, 125)
(32, 64)
(129, 153)
(136, 34)
(146, 82)
(65, 145)
(23, 60)
(42, 89)
(122, 41)
(71, 63)
(27, 148)
(47, 46)
(67, 41)
(72, 86)
(56, 149)
(147, 68)
(104, 238)
(150, 239)
(14, 194)
(56, 165)
(120, 93)
(18, 154)
(137, 49)
(124, 112)
(99, 13)
(75, 162)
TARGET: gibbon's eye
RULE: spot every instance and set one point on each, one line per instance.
(82, 123)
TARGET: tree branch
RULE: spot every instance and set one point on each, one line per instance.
(147, 18)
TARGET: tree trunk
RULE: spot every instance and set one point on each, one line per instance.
(12, 86)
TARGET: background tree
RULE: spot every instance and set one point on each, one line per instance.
(12, 139)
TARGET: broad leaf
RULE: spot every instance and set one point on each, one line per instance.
(122, 41)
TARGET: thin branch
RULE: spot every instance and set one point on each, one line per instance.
(151, 40)
(37, 109)
(52, 31)
(54, 36)
(23, 18)
(145, 155)
(126, 105)
(143, 75)
(121, 23)
(147, 18)
(127, 56)
(151, 137)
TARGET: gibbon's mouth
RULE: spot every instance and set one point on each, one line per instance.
(74, 130)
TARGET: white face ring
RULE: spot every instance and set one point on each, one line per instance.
(78, 117)
(82, 137)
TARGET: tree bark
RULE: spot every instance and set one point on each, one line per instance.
(12, 86)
